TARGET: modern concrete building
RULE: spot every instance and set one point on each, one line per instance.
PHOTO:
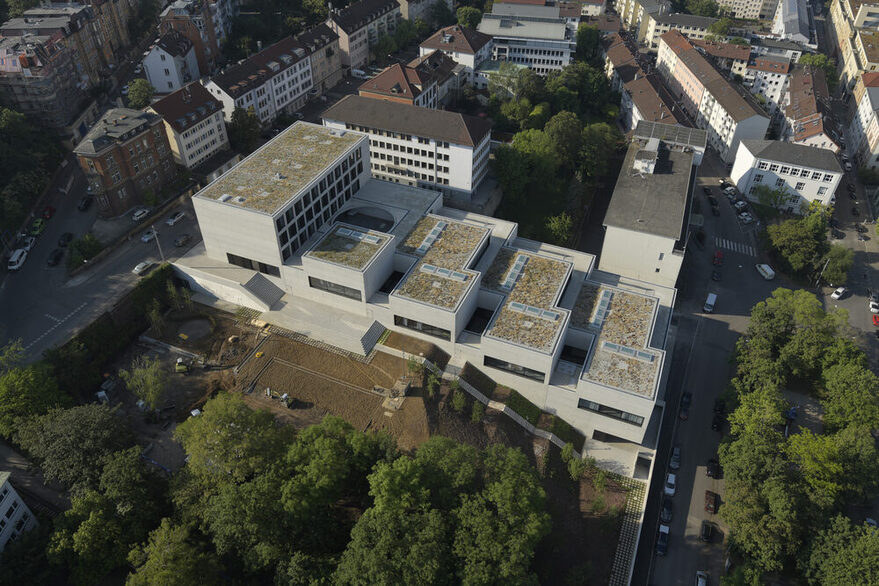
(647, 222)
(691, 26)
(708, 98)
(275, 80)
(299, 232)
(808, 116)
(16, 517)
(535, 36)
(435, 149)
(798, 174)
(361, 25)
(464, 46)
(322, 46)
(864, 126)
(855, 24)
(170, 63)
(193, 124)
(124, 156)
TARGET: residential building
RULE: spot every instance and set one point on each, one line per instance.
(708, 98)
(450, 76)
(798, 174)
(854, 30)
(194, 125)
(465, 46)
(361, 25)
(864, 127)
(791, 21)
(112, 19)
(435, 149)
(124, 156)
(751, 9)
(648, 219)
(170, 63)
(17, 517)
(645, 98)
(322, 46)
(691, 26)
(593, 7)
(620, 64)
(194, 19)
(767, 77)
(413, 10)
(636, 15)
(321, 248)
(223, 13)
(403, 85)
(605, 23)
(787, 49)
(544, 43)
(729, 58)
(808, 112)
(39, 79)
(275, 80)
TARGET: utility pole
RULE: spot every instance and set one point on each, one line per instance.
(818, 279)
(156, 234)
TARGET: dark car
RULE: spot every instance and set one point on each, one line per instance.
(662, 540)
(853, 196)
(706, 190)
(713, 469)
(856, 211)
(850, 187)
(711, 500)
(686, 400)
(874, 296)
(717, 422)
(715, 275)
(861, 228)
(707, 531)
(712, 200)
(84, 204)
(55, 257)
(837, 235)
(182, 240)
(834, 223)
(665, 513)
(725, 184)
(715, 211)
(65, 239)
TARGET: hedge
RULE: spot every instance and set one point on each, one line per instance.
(528, 410)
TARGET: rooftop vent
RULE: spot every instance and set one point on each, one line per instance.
(224, 197)
(239, 199)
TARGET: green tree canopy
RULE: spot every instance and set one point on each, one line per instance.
(587, 41)
(469, 16)
(597, 143)
(147, 379)
(844, 553)
(244, 130)
(173, 557)
(25, 392)
(839, 261)
(822, 61)
(566, 133)
(800, 243)
(721, 26)
(140, 92)
(702, 7)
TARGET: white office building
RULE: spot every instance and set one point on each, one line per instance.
(171, 63)
(464, 46)
(535, 36)
(275, 80)
(15, 516)
(798, 174)
(299, 232)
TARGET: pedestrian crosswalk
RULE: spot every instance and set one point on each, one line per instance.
(735, 246)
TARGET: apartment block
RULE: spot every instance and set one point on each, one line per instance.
(299, 232)
(194, 125)
(535, 36)
(170, 63)
(751, 9)
(647, 222)
(767, 77)
(360, 26)
(125, 155)
(113, 17)
(708, 98)
(691, 26)
(467, 47)
(429, 81)
(194, 19)
(807, 111)
(802, 174)
(727, 57)
(791, 21)
(781, 48)
(322, 46)
(275, 80)
(636, 15)
(593, 7)
(17, 517)
(864, 126)
(854, 30)
(435, 149)
(413, 10)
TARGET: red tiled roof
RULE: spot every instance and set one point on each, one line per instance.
(677, 42)
(723, 50)
(770, 64)
(187, 107)
(399, 81)
(870, 79)
(457, 38)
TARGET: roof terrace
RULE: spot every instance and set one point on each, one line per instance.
(277, 172)
(446, 248)
(532, 285)
(349, 246)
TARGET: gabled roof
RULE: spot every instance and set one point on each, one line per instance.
(361, 13)
(723, 50)
(174, 44)
(457, 38)
(439, 65)
(770, 64)
(187, 107)
(116, 125)
(677, 42)
(426, 122)
(399, 81)
(255, 71)
(870, 79)
(316, 37)
(794, 154)
(653, 101)
(681, 19)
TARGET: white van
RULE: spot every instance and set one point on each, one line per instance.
(709, 303)
(359, 74)
(765, 271)
(16, 261)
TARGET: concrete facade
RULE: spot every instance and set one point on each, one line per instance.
(535, 36)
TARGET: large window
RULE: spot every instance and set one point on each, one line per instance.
(253, 265)
(424, 328)
(610, 412)
(514, 368)
(334, 288)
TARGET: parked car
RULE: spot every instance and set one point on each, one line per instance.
(670, 484)
(746, 218)
(16, 260)
(713, 469)
(862, 238)
(25, 242)
(84, 203)
(149, 235)
(55, 257)
(143, 268)
(175, 217)
(711, 501)
(701, 578)
(707, 531)
(718, 258)
(665, 514)
(65, 239)
(740, 205)
(662, 540)
(139, 215)
(712, 200)
(125, 90)
(37, 227)
(874, 307)
(48, 212)
(837, 234)
(856, 211)
(182, 240)
(675, 462)
(861, 228)
(686, 400)
(706, 190)
(847, 166)
(724, 184)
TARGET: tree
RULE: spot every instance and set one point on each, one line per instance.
(244, 130)
(821, 61)
(561, 227)
(25, 392)
(25, 560)
(173, 557)
(441, 14)
(509, 166)
(529, 85)
(702, 7)
(469, 16)
(383, 49)
(17, 7)
(11, 355)
(538, 117)
(843, 554)
(769, 197)
(140, 92)
(721, 26)
(739, 41)
(800, 243)
(517, 111)
(70, 444)
(503, 82)
(405, 33)
(587, 41)
(422, 29)
(147, 379)
(850, 396)
(566, 133)
(839, 261)
(598, 142)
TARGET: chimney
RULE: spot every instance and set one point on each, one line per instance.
(258, 46)
(186, 95)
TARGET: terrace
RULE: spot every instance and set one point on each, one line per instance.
(446, 248)
(624, 320)
(348, 246)
(532, 285)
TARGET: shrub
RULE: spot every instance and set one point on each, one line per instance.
(432, 385)
(459, 401)
(528, 410)
(563, 430)
(478, 412)
(599, 480)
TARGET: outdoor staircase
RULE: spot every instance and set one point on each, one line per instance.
(263, 290)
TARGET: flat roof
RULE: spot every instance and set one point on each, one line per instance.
(278, 171)
(532, 283)
(671, 133)
(523, 27)
(445, 248)
(349, 246)
(653, 203)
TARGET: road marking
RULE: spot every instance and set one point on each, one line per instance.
(735, 246)
(58, 322)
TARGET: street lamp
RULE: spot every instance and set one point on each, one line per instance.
(159, 244)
